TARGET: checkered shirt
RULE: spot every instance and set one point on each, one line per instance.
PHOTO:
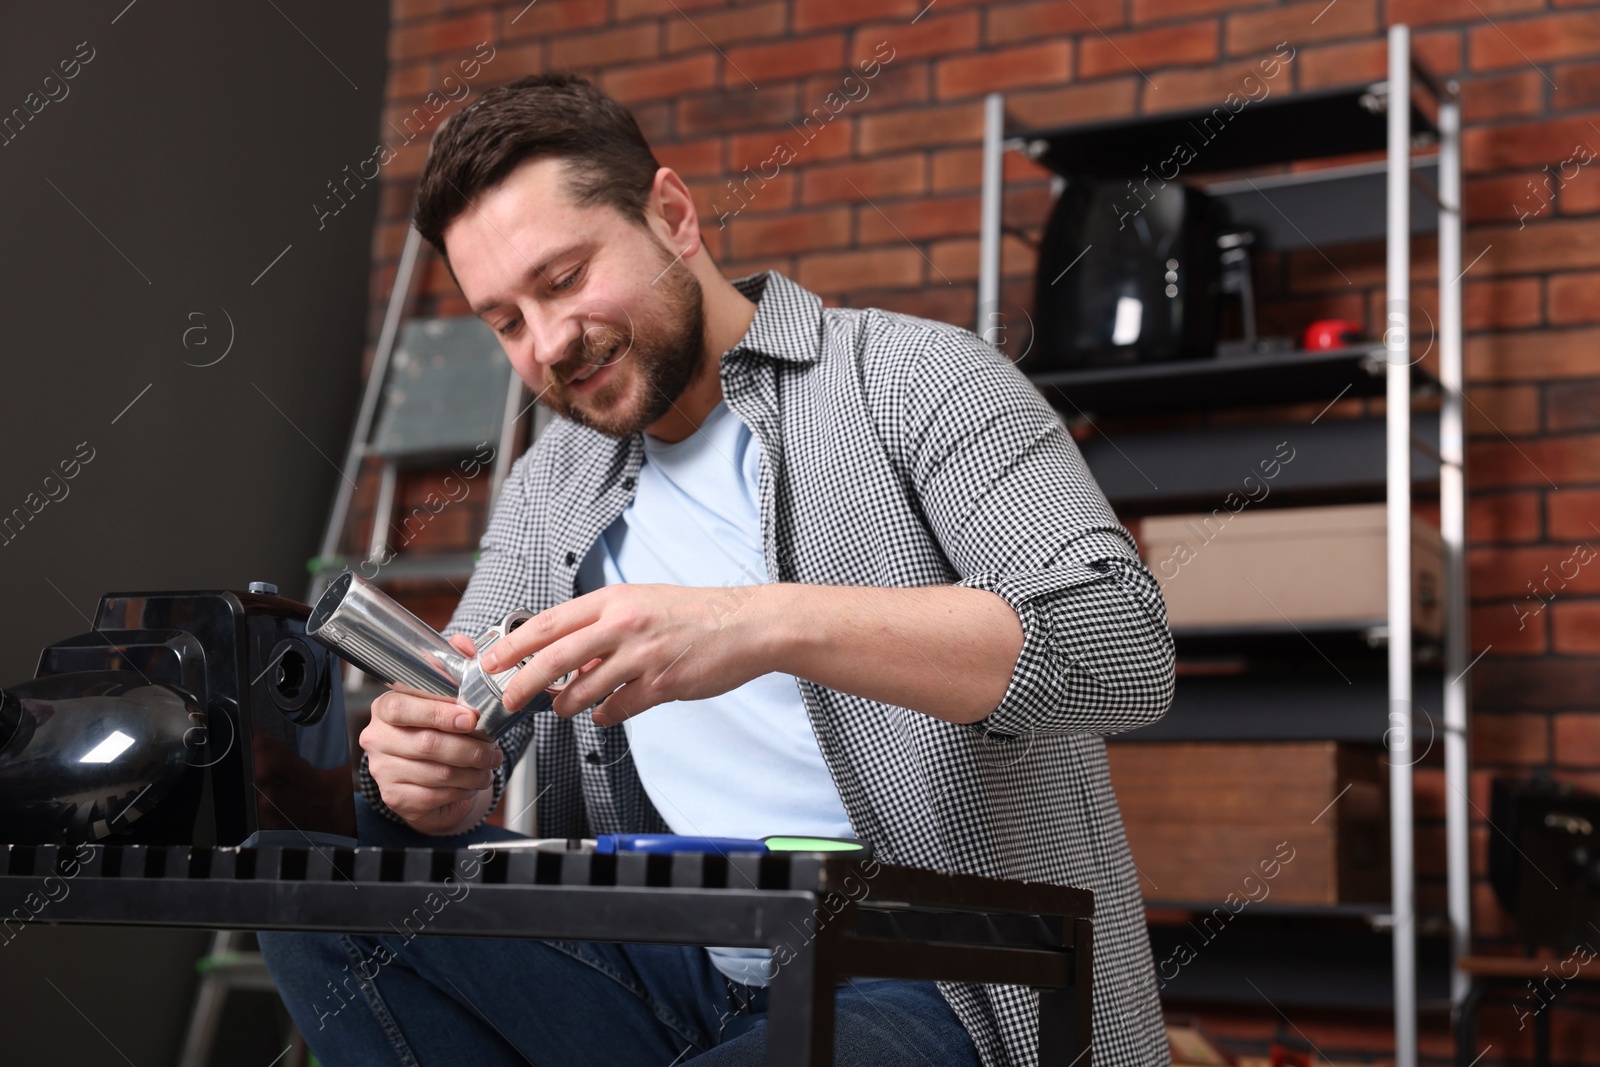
(896, 451)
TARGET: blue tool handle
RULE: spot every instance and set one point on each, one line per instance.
(605, 844)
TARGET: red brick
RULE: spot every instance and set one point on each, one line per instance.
(640, 8)
(1577, 85)
(917, 220)
(786, 59)
(962, 168)
(814, 141)
(1314, 20)
(549, 17)
(920, 128)
(1322, 66)
(1161, 10)
(698, 158)
(1573, 406)
(1171, 90)
(1361, 264)
(955, 260)
(934, 34)
(713, 200)
(1510, 43)
(889, 176)
(733, 26)
(1542, 571)
(1290, 316)
(894, 86)
(1500, 304)
(1049, 63)
(942, 303)
(664, 80)
(1574, 298)
(1010, 23)
(1164, 46)
(432, 37)
(1110, 98)
(1511, 410)
(1433, 12)
(1510, 629)
(844, 272)
(1554, 684)
(1533, 354)
(1559, 244)
(1520, 93)
(1526, 144)
(620, 44)
(510, 63)
(1579, 194)
(1498, 199)
(791, 232)
(1550, 461)
(409, 81)
(825, 14)
(1510, 739)
(1502, 517)
(1574, 515)
(1577, 740)
(736, 109)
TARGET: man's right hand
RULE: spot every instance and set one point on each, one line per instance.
(428, 768)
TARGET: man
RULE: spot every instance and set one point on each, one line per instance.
(823, 570)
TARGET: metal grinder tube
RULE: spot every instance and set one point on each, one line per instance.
(371, 630)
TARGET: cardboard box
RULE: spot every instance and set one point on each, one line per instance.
(1294, 822)
(1309, 566)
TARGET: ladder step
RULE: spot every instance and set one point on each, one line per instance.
(437, 567)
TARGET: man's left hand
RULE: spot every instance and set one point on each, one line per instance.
(642, 644)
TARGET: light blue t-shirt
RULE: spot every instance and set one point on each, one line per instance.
(746, 763)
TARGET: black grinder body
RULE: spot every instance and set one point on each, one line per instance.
(197, 718)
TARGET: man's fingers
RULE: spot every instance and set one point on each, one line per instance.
(547, 667)
(544, 627)
(416, 800)
(599, 678)
(430, 775)
(622, 703)
(399, 708)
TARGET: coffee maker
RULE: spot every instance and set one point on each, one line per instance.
(181, 718)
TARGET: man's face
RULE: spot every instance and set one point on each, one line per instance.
(568, 289)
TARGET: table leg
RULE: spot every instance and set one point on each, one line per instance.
(800, 1006)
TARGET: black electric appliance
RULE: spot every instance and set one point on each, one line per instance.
(1544, 860)
(1128, 273)
(187, 718)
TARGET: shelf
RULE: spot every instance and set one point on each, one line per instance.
(1196, 468)
(1240, 381)
(1159, 910)
(1260, 958)
(440, 567)
(1276, 129)
(1277, 641)
(1311, 704)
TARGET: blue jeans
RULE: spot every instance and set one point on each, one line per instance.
(431, 1001)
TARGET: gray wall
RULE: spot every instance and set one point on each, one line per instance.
(177, 164)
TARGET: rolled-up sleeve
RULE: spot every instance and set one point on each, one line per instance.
(1017, 512)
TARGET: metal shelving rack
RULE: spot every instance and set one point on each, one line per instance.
(1301, 126)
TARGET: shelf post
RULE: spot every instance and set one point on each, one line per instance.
(994, 135)
(1452, 535)
(1399, 736)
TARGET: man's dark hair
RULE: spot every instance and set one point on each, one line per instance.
(561, 115)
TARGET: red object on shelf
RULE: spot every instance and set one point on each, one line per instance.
(1331, 333)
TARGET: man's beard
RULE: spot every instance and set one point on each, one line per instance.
(666, 353)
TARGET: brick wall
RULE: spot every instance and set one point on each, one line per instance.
(879, 205)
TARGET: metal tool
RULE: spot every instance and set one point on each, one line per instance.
(369, 628)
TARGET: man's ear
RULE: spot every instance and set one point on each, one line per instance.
(676, 205)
